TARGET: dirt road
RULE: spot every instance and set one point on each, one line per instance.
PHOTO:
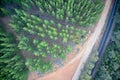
(69, 70)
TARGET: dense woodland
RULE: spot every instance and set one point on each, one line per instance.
(40, 31)
(12, 65)
(109, 68)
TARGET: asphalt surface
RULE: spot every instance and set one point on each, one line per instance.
(104, 40)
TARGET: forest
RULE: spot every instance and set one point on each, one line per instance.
(109, 68)
(41, 31)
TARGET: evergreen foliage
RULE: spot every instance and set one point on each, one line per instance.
(47, 39)
(81, 12)
(48, 28)
(12, 66)
(109, 69)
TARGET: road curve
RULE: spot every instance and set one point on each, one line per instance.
(68, 70)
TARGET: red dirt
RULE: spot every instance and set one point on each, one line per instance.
(69, 67)
(67, 71)
(64, 73)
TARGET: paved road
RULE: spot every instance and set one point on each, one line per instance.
(104, 40)
(94, 37)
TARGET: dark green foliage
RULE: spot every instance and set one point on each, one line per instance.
(12, 66)
(24, 43)
(4, 12)
(46, 28)
(82, 12)
(7, 7)
(103, 74)
(89, 65)
(116, 38)
(4, 2)
(45, 36)
(110, 65)
(109, 68)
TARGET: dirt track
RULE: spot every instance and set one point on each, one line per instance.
(67, 71)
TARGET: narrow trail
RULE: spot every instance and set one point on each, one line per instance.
(69, 70)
